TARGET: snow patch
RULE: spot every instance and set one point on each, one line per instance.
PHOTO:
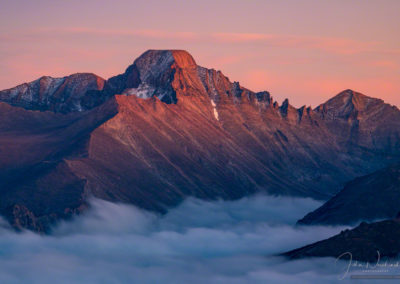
(144, 91)
(215, 110)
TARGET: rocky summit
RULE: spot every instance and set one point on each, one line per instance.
(166, 129)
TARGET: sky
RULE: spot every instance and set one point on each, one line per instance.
(307, 51)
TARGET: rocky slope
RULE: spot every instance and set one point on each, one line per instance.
(77, 92)
(362, 121)
(371, 197)
(363, 243)
(36, 185)
(168, 128)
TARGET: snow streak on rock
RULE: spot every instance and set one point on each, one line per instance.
(215, 110)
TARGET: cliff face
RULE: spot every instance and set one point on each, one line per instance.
(166, 129)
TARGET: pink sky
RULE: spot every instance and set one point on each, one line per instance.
(306, 51)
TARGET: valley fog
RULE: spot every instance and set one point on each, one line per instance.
(197, 242)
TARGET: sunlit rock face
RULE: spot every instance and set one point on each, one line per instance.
(166, 129)
(152, 75)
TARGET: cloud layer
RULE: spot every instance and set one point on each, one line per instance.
(198, 242)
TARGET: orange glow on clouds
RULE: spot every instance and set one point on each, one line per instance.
(335, 45)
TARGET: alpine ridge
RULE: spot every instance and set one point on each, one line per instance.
(76, 92)
(166, 129)
(368, 198)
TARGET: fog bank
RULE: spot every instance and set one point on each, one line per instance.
(197, 242)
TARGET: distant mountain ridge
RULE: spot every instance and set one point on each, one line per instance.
(166, 129)
(76, 92)
(368, 198)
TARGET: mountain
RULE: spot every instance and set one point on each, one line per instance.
(166, 129)
(77, 92)
(371, 197)
(362, 121)
(363, 243)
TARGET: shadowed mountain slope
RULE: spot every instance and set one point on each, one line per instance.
(371, 197)
(367, 242)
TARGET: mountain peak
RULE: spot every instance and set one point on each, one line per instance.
(76, 92)
(350, 97)
(153, 58)
(183, 58)
(347, 104)
(151, 74)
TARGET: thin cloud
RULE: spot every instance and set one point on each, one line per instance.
(155, 34)
(334, 45)
(73, 31)
(383, 64)
(328, 44)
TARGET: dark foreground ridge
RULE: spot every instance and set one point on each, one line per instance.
(371, 197)
(367, 242)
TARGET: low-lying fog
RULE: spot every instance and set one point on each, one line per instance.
(197, 242)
